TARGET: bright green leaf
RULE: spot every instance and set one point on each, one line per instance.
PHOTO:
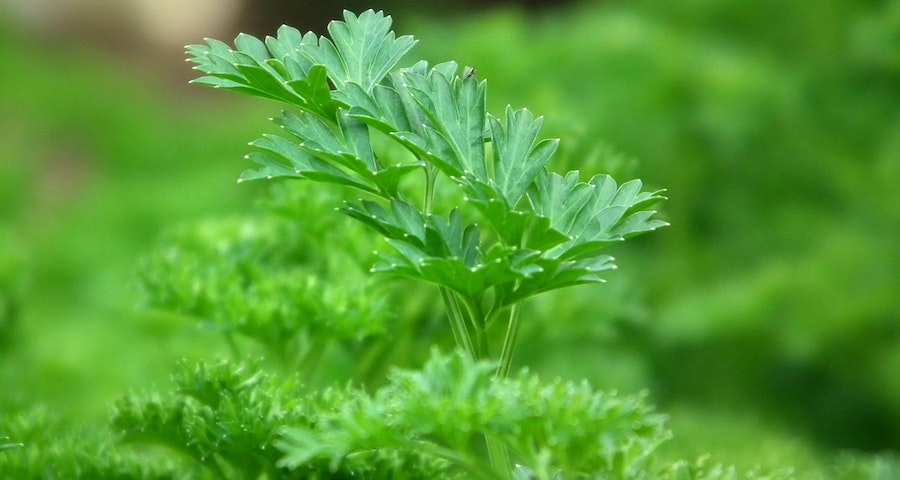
(519, 156)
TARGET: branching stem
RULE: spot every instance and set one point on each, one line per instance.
(476, 319)
(498, 453)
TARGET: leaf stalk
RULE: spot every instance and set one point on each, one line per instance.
(458, 323)
(509, 342)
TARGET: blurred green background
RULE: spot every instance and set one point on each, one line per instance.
(765, 320)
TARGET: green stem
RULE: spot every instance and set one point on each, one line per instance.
(498, 453)
(509, 343)
(456, 457)
(458, 323)
(499, 456)
(497, 450)
(430, 178)
(476, 319)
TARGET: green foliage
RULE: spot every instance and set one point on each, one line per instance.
(546, 231)
(235, 421)
(769, 146)
(45, 448)
(444, 410)
(860, 467)
(223, 417)
(702, 470)
(776, 124)
(261, 278)
(541, 231)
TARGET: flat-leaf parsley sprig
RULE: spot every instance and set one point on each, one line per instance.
(541, 231)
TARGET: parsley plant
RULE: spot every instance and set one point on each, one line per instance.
(519, 229)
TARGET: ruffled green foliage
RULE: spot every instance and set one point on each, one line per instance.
(223, 418)
(504, 214)
(554, 430)
(263, 278)
(876, 467)
(703, 470)
(539, 231)
(226, 419)
(44, 448)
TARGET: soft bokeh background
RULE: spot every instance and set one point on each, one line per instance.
(765, 320)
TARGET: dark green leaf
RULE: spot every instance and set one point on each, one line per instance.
(314, 93)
